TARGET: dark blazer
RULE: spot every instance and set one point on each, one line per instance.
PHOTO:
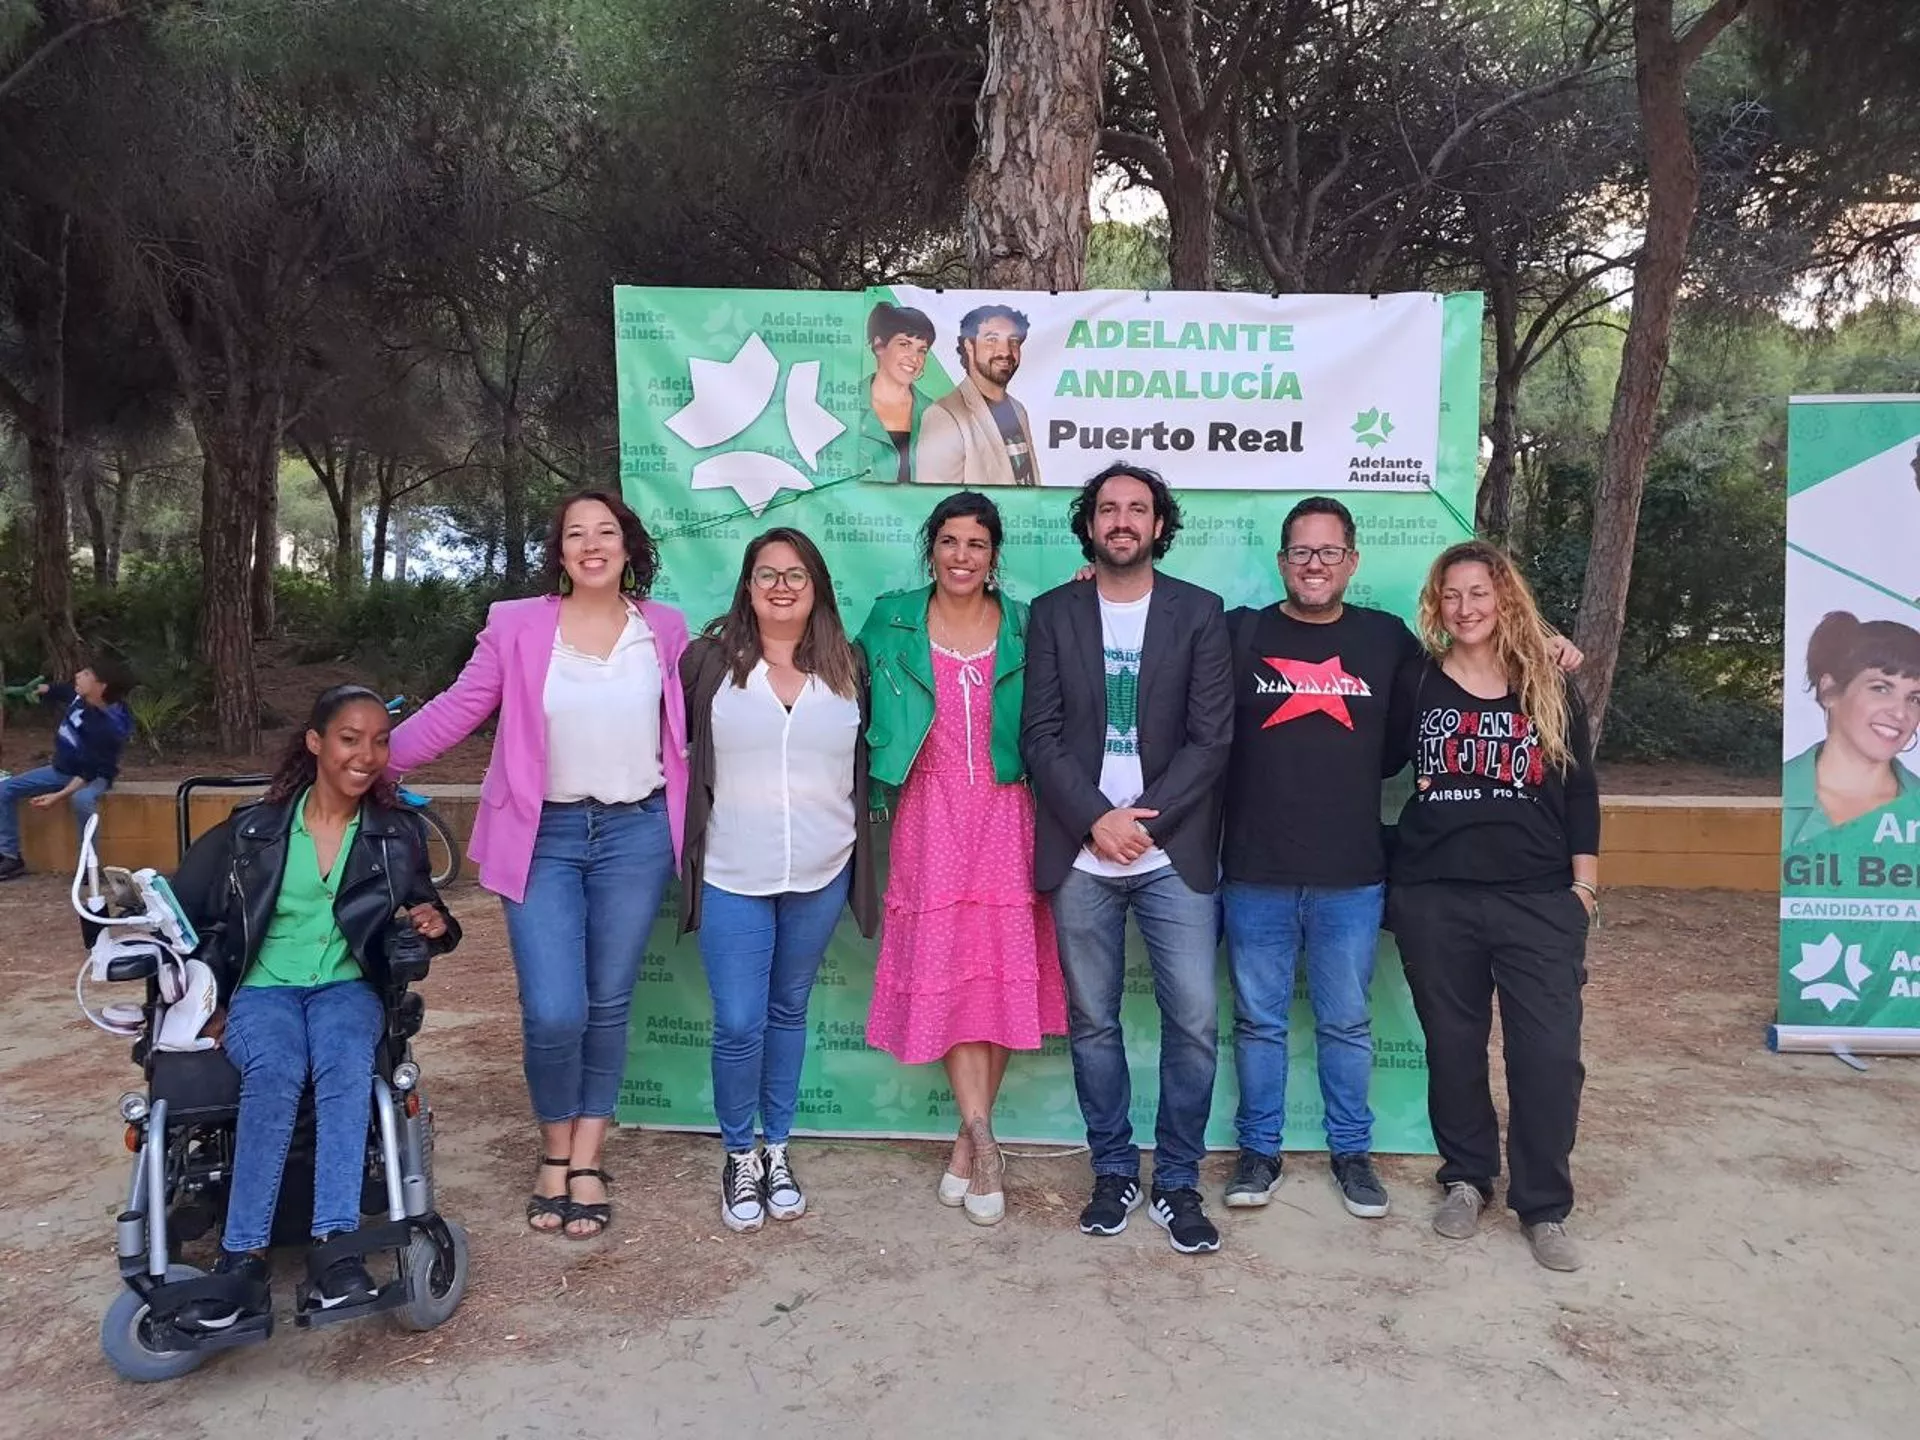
(703, 668)
(231, 877)
(1186, 725)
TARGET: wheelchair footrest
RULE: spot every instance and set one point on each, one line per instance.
(355, 1245)
(255, 1323)
(309, 1312)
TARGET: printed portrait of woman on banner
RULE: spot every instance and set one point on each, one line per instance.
(1866, 676)
(899, 338)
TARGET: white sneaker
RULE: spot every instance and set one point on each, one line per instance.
(740, 1206)
(785, 1199)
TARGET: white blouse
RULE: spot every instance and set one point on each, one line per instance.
(782, 787)
(603, 720)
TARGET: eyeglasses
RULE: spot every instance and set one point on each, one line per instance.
(1325, 554)
(766, 578)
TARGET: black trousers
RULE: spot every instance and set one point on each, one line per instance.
(1461, 945)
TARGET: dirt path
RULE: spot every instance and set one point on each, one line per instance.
(1745, 1217)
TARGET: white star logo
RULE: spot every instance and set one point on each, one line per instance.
(1821, 960)
(728, 396)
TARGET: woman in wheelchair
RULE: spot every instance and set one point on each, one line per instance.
(301, 894)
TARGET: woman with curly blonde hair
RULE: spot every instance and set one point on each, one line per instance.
(1494, 882)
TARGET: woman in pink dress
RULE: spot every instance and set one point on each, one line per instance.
(968, 970)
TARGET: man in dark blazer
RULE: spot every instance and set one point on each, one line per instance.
(1126, 728)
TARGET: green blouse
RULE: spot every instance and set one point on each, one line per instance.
(304, 945)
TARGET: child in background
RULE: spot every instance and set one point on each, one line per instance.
(86, 754)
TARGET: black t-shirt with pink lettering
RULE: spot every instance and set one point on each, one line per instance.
(1487, 808)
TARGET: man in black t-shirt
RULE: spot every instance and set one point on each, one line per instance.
(1302, 856)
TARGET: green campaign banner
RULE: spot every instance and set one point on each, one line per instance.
(1850, 779)
(849, 415)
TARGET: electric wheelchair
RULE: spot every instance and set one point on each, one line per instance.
(181, 1129)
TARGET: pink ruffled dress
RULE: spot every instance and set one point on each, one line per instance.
(967, 952)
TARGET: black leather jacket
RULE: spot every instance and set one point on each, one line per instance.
(229, 883)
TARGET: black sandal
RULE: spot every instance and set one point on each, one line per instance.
(557, 1206)
(599, 1215)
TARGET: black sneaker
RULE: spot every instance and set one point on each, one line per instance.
(1184, 1218)
(11, 866)
(1359, 1186)
(213, 1314)
(1255, 1178)
(344, 1282)
(1114, 1198)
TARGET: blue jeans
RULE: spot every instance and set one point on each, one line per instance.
(44, 781)
(593, 893)
(1267, 928)
(1181, 929)
(761, 954)
(277, 1036)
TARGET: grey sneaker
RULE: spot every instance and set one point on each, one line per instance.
(1458, 1217)
(1255, 1178)
(1552, 1246)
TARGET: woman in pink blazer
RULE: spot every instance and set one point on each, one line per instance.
(580, 819)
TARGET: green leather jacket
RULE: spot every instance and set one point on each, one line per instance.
(900, 659)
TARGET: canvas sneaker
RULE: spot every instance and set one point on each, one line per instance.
(1184, 1218)
(1360, 1186)
(742, 1207)
(1255, 1178)
(1114, 1198)
(785, 1199)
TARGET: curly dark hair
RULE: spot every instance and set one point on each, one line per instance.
(298, 768)
(1165, 508)
(642, 554)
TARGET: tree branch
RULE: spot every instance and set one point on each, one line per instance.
(1692, 42)
(1124, 145)
(20, 73)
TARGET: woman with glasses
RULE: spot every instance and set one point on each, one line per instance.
(777, 840)
(968, 969)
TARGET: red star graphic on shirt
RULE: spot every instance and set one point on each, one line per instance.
(1317, 686)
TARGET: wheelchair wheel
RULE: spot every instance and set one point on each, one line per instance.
(443, 851)
(436, 1279)
(128, 1342)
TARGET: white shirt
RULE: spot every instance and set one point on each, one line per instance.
(603, 720)
(782, 819)
(1123, 633)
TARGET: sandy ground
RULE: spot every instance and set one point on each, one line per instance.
(1745, 1218)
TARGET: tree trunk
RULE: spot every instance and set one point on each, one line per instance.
(87, 474)
(384, 481)
(266, 536)
(1661, 63)
(227, 541)
(1027, 194)
(513, 498)
(402, 544)
(44, 324)
(1494, 513)
(346, 523)
(122, 513)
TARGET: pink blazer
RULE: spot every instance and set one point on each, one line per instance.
(508, 674)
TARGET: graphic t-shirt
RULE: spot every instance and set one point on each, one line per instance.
(1309, 745)
(1487, 808)
(1014, 437)
(1123, 630)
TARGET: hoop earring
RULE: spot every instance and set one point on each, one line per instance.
(1907, 749)
(629, 581)
(993, 580)
(566, 583)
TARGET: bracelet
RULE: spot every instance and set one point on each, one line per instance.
(1593, 891)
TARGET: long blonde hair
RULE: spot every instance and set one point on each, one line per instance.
(1520, 642)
